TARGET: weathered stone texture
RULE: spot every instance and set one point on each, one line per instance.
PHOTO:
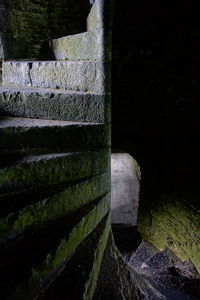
(69, 75)
(124, 189)
(116, 280)
(53, 169)
(173, 221)
(16, 133)
(32, 24)
(54, 104)
(43, 275)
(100, 15)
(91, 284)
(3, 50)
(52, 208)
(90, 45)
(55, 153)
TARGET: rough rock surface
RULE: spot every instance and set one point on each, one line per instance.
(54, 104)
(43, 169)
(20, 133)
(90, 45)
(173, 221)
(85, 76)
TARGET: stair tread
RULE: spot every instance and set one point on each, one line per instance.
(32, 89)
(38, 157)
(6, 122)
(160, 261)
(143, 253)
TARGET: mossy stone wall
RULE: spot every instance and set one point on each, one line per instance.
(31, 24)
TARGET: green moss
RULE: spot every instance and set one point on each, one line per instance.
(61, 204)
(48, 270)
(173, 223)
(98, 256)
(54, 170)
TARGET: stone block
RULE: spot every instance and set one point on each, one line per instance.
(173, 222)
(91, 45)
(54, 168)
(52, 208)
(54, 104)
(100, 15)
(42, 275)
(19, 133)
(98, 256)
(85, 76)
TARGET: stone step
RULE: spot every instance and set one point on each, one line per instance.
(85, 76)
(56, 104)
(43, 274)
(54, 207)
(100, 15)
(22, 133)
(90, 45)
(54, 168)
(143, 253)
(87, 257)
(159, 262)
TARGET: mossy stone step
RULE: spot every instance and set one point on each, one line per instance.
(81, 264)
(52, 208)
(55, 104)
(85, 76)
(90, 45)
(44, 274)
(173, 221)
(26, 133)
(36, 170)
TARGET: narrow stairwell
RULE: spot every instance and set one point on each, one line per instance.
(55, 168)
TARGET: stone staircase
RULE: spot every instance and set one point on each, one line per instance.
(162, 275)
(55, 169)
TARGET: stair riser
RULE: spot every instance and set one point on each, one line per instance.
(74, 107)
(90, 45)
(54, 170)
(52, 208)
(68, 75)
(54, 137)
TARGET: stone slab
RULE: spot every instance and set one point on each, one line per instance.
(98, 256)
(100, 15)
(54, 104)
(43, 274)
(85, 76)
(21, 133)
(173, 221)
(125, 189)
(143, 253)
(51, 208)
(54, 168)
(91, 45)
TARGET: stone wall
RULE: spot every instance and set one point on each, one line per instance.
(31, 25)
(156, 88)
(55, 224)
(155, 115)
